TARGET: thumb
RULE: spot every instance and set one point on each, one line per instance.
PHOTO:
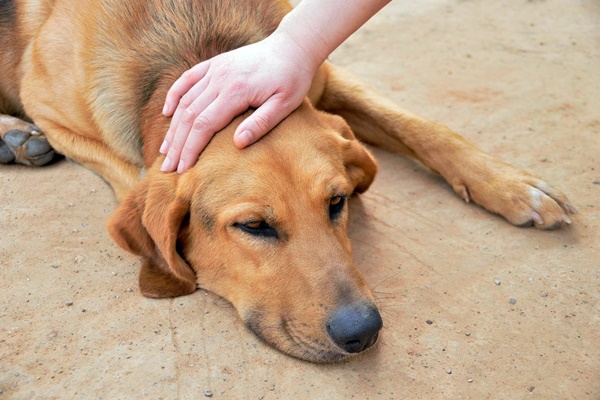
(265, 118)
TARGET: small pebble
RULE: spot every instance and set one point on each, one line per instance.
(54, 266)
(429, 322)
(71, 204)
(467, 333)
(597, 182)
(93, 191)
(69, 303)
(207, 393)
(448, 371)
(544, 294)
(114, 273)
(129, 289)
(530, 389)
(470, 380)
(512, 301)
(497, 282)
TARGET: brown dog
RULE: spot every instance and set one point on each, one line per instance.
(263, 227)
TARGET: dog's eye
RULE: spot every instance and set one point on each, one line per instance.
(258, 228)
(336, 205)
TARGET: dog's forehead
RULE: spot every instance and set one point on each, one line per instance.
(298, 158)
(285, 163)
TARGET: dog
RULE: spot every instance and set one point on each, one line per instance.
(263, 227)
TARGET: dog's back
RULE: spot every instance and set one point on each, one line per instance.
(128, 50)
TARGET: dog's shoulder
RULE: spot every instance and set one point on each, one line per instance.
(136, 49)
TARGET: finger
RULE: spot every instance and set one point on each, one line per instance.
(214, 118)
(185, 103)
(172, 160)
(182, 85)
(265, 118)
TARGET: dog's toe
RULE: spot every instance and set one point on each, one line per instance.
(555, 225)
(38, 151)
(6, 155)
(536, 203)
(37, 146)
(524, 200)
(525, 224)
(16, 138)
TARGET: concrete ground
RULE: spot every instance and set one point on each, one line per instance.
(519, 78)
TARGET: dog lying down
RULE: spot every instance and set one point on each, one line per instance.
(263, 227)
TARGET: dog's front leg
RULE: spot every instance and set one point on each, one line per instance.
(520, 197)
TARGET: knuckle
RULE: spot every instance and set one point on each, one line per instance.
(262, 122)
(188, 76)
(201, 123)
(189, 115)
(186, 100)
(187, 151)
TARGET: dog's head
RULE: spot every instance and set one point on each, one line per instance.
(265, 228)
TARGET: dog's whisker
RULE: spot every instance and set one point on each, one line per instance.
(385, 280)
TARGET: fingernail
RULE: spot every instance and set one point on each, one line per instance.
(164, 147)
(245, 138)
(166, 109)
(165, 165)
(180, 167)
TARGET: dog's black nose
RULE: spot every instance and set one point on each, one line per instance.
(355, 327)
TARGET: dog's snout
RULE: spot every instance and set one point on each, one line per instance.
(355, 327)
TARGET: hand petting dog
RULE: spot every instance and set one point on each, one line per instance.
(272, 76)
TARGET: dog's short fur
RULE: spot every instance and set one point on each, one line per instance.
(264, 227)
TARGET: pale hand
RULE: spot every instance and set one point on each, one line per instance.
(273, 75)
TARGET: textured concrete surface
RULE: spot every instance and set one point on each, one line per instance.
(519, 78)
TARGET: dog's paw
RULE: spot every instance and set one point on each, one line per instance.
(521, 198)
(23, 143)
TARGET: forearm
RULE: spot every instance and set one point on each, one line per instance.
(318, 27)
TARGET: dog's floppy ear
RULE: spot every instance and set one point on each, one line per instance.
(147, 223)
(361, 167)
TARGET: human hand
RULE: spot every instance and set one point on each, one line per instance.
(273, 76)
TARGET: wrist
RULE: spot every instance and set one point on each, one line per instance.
(307, 48)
